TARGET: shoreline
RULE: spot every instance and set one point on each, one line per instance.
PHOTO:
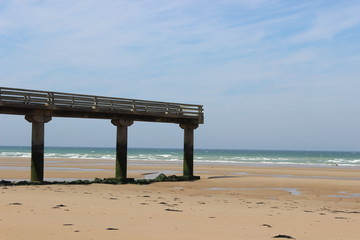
(90, 168)
(108, 161)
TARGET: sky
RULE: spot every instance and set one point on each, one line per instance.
(271, 74)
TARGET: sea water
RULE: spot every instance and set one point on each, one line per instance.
(201, 156)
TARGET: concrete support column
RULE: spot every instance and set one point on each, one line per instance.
(37, 146)
(121, 147)
(188, 167)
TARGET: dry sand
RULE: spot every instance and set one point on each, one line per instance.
(229, 202)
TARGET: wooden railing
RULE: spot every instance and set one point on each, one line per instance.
(57, 101)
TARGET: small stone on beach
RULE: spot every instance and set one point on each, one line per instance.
(172, 210)
(283, 236)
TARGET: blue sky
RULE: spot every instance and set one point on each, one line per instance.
(274, 74)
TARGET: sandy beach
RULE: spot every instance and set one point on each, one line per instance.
(229, 202)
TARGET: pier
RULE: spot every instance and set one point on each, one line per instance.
(39, 107)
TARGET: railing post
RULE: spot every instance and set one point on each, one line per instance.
(26, 99)
(121, 148)
(111, 105)
(37, 146)
(201, 114)
(167, 109)
(188, 165)
(95, 103)
(133, 109)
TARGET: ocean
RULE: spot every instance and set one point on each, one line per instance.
(201, 156)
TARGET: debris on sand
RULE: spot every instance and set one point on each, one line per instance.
(284, 236)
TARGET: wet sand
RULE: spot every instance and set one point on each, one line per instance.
(229, 202)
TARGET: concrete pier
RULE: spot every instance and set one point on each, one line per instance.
(121, 147)
(39, 107)
(37, 146)
(188, 165)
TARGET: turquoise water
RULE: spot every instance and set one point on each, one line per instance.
(258, 157)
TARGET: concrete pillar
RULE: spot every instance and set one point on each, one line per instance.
(188, 167)
(121, 147)
(37, 146)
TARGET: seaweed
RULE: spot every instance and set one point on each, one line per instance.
(160, 178)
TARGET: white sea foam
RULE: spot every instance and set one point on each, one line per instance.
(355, 161)
(15, 154)
(200, 156)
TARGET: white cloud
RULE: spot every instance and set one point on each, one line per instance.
(331, 22)
(252, 3)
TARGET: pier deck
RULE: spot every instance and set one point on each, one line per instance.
(56, 104)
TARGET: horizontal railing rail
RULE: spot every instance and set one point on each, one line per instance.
(58, 101)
